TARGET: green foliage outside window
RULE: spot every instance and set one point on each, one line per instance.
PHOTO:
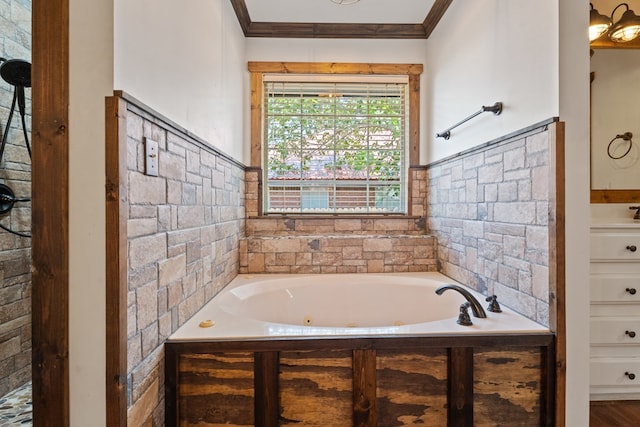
(355, 138)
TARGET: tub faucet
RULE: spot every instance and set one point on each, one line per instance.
(476, 308)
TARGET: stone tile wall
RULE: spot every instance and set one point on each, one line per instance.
(183, 229)
(15, 172)
(489, 211)
(337, 254)
(294, 244)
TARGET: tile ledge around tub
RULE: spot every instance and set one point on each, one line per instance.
(343, 236)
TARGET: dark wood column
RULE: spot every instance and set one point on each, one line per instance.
(50, 212)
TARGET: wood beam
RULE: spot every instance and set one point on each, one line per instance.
(50, 212)
(334, 30)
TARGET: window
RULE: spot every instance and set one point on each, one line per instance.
(339, 144)
(335, 147)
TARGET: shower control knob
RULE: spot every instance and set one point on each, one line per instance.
(631, 375)
(631, 291)
(632, 248)
(631, 334)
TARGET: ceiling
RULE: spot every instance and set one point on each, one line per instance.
(367, 19)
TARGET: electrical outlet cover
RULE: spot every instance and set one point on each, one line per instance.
(151, 157)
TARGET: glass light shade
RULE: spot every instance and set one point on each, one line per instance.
(596, 31)
(626, 34)
(598, 24)
(627, 28)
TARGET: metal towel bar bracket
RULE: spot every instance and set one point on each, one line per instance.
(496, 109)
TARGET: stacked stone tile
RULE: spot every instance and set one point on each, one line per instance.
(15, 171)
(293, 244)
(184, 228)
(489, 211)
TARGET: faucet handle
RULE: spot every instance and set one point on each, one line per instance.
(494, 306)
(637, 209)
(463, 318)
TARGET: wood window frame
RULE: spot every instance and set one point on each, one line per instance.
(259, 69)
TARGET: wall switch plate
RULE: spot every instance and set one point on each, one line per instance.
(150, 157)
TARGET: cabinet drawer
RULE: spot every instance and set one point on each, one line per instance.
(616, 330)
(615, 246)
(615, 288)
(611, 372)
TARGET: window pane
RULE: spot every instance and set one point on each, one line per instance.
(384, 165)
(318, 106)
(283, 131)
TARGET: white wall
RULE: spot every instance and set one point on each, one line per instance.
(532, 56)
(498, 50)
(91, 79)
(330, 50)
(605, 7)
(185, 59)
(574, 110)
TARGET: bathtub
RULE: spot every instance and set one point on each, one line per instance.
(271, 305)
(343, 350)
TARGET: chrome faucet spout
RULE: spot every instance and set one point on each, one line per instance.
(476, 308)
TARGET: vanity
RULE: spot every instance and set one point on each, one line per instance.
(615, 309)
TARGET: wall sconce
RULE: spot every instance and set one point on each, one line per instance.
(625, 29)
(598, 24)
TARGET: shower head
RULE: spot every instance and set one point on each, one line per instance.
(16, 72)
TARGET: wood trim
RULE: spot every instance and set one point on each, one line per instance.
(548, 410)
(396, 343)
(335, 30)
(116, 252)
(240, 7)
(460, 387)
(266, 388)
(50, 213)
(606, 43)
(435, 15)
(323, 30)
(615, 196)
(256, 120)
(171, 380)
(557, 294)
(258, 69)
(333, 68)
(364, 388)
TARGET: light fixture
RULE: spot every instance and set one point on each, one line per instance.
(345, 2)
(598, 24)
(627, 28)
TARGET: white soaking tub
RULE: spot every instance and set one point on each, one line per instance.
(332, 305)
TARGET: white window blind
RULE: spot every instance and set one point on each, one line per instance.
(335, 147)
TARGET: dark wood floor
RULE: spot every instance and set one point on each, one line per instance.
(615, 414)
